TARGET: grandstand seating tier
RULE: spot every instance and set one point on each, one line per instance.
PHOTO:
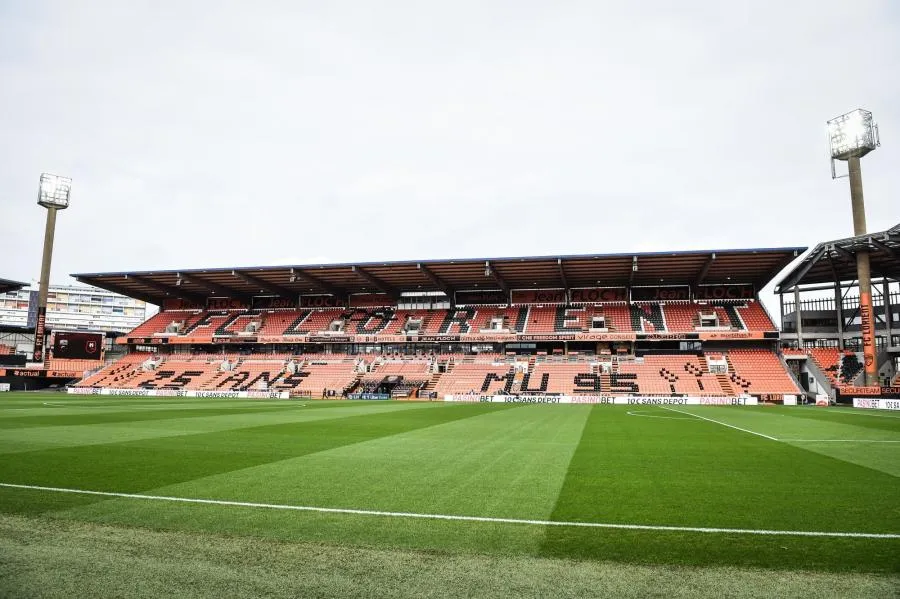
(753, 371)
(540, 319)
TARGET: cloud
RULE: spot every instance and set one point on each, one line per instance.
(220, 134)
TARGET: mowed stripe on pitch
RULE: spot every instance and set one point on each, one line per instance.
(147, 464)
(30, 439)
(657, 471)
(872, 443)
(509, 462)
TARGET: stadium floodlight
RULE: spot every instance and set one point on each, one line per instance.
(54, 191)
(53, 194)
(851, 136)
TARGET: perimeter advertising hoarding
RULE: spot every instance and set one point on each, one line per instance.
(36, 373)
(539, 296)
(661, 294)
(638, 400)
(226, 303)
(724, 292)
(179, 393)
(851, 394)
(590, 295)
(274, 302)
(466, 298)
(322, 301)
(173, 303)
(870, 403)
(463, 338)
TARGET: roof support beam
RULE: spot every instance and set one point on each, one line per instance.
(490, 271)
(848, 284)
(376, 282)
(436, 280)
(889, 250)
(847, 253)
(562, 275)
(214, 288)
(299, 275)
(701, 276)
(266, 286)
(798, 275)
(169, 290)
(634, 269)
(833, 270)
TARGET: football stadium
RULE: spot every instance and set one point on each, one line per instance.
(503, 414)
(667, 376)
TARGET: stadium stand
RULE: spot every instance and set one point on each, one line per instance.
(344, 334)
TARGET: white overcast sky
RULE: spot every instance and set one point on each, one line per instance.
(204, 134)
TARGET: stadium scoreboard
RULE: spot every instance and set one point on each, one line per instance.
(77, 345)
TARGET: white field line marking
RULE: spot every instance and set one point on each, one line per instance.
(847, 411)
(639, 413)
(328, 510)
(838, 441)
(722, 423)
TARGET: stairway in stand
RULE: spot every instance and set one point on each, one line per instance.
(728, 385)
(606, 378)
(353, 384)
(725, 384)
(517, 382)
(430, 385)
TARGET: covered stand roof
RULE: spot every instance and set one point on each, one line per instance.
(9, 285)
(835, 260)
(753, 266)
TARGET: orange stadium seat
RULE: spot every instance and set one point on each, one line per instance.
(465, 378)
(760, 371)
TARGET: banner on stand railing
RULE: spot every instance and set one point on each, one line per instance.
(638, 400)
(180, 393)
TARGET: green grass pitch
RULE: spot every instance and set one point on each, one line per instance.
(507, 470)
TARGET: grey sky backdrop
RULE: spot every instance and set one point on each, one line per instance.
(234, 133)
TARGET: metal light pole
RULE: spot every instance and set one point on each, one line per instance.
(851, 136)
(53, 194)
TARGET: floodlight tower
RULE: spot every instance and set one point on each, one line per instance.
(851, 136)
(53, 194)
